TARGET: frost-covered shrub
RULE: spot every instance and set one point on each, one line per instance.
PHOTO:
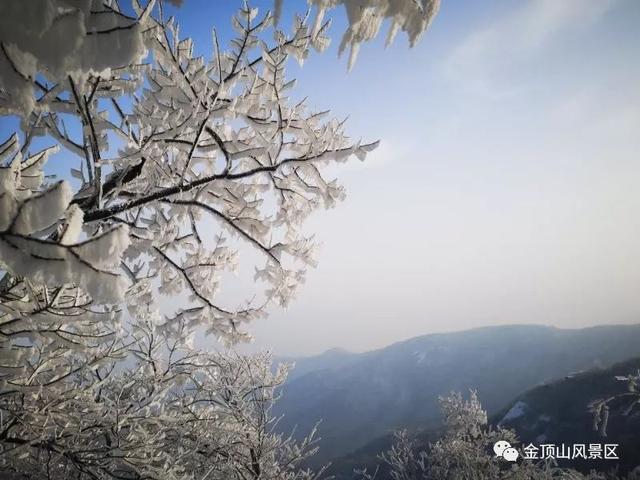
(465, 452)
(629, 401)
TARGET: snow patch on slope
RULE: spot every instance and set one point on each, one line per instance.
(516, 411)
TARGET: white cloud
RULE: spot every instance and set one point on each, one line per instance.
(506, 44)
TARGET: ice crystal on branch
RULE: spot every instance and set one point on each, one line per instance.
(366, 18)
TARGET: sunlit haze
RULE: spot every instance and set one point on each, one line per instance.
(504, 189)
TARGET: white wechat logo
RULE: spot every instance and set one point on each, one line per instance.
(505, 450)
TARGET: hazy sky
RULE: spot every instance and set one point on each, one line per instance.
(506, 186)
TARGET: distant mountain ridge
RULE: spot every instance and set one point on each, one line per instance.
(362, 396)
(334, 357)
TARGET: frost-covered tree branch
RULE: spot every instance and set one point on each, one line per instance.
(366, 18)
(219, 138)
(166, 167)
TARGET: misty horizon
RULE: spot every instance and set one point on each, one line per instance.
(445, 333)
